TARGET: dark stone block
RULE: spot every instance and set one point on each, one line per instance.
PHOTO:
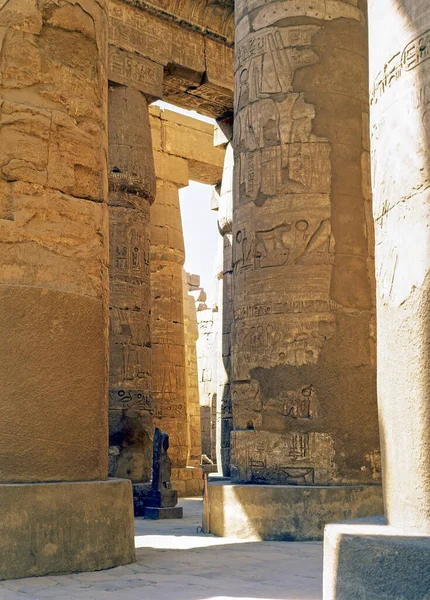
(156, 513)
(141, 497)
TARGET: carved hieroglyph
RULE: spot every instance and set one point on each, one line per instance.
(131, 192)
(400, 131)
(53, 240)
(303, 343)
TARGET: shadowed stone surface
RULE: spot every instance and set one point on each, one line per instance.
(368, 560)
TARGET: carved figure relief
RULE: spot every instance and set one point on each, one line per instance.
(274, 141)
(293, 243)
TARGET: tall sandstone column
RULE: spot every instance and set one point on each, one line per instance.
(393, 561)
(131, 193)
(168, 343)
(61, 513)
(303, 360)
(192, 375)
(303, 343)
(225, 225)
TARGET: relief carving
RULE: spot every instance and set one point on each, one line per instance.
(273, 127)
(295, 243)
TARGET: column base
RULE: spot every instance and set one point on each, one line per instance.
(286, 513)
(368, 560)
(156, 513)
(188, 481)
(48, 528)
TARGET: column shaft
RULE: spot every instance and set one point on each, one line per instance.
(167, 259)
(53, 243)
(400, 128)
(132, 191)
(303, 379)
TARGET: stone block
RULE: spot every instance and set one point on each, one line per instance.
(163, 513)
(171, 168)
(132, 70)
(287, 513)
(65, 527)
(368, 560)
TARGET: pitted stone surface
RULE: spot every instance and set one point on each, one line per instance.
(303, 341)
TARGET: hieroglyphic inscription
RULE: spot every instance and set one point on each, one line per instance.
(132, 70)
(285, 307)
(295, 243)
(412, 56)
(296, 342)
(273, 128)
(130, 400)
(289, 458)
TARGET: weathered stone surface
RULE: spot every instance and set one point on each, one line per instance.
(131, 192)
(193, 399)
(132, 70)
(286, 513)
(65, 527)
(57, 370)
(303, 359)
(225, 319)
(367, 560)
(401, 178)
(197, 55)
(53, 241)
(177, 137)
(207, 347)
(167, 259)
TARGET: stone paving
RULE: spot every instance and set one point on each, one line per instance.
(175, 561)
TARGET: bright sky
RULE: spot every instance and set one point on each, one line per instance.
(200, 233)
(199, 223)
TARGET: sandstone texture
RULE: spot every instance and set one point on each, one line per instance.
(131, 193)
(65, 527)
(53, 241)
(182, 51)
(285, 512)
(303, 341)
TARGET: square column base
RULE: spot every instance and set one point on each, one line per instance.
(286, 513)
(368, 560)
(188, 481)
(48, 528)
(155, 513)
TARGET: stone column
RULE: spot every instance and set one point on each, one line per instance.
(60, 513)
(392, 561)
(303, 347)
(225, 225)
(193, 398)
(132, 191)
(167, 259)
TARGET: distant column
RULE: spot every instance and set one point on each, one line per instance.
(132, 191)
